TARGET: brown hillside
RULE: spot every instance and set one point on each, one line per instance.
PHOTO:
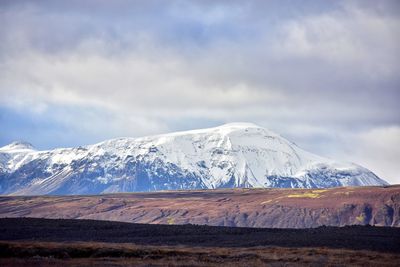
(283, 208)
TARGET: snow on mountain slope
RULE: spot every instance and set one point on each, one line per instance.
(232, 155)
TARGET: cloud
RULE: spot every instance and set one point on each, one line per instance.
(346, 38)
(377, 148)
(319, 73)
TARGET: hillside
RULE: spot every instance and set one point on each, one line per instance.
(277, 208)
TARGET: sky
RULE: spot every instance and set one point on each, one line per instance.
(323, 74)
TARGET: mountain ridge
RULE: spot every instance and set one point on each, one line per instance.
(231, 155)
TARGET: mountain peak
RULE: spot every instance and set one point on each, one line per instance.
(243, 127)
(230, 155)
(239, 125)
(18, 145)
(222, 129)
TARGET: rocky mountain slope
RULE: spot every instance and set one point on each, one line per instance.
(277, 208)
(232, 155)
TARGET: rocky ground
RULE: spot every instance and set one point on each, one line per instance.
(384, 239)
(44, 242)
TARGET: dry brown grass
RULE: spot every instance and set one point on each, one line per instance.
(29, 253)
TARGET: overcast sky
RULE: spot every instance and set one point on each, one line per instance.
(324, 74)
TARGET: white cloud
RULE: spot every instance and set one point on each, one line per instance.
(377, 149)
(135, 81)
(317, 77)
(348, 37)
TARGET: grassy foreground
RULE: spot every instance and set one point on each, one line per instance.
(27, 253)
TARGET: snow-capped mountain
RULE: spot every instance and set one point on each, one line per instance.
(232, 155)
